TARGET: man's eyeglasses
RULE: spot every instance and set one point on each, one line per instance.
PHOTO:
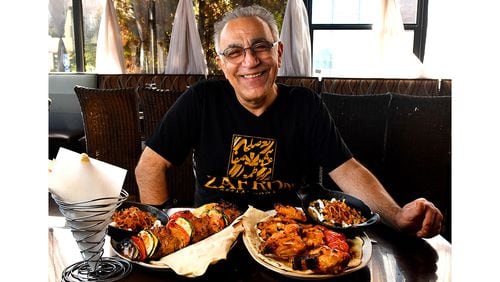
(236, 54)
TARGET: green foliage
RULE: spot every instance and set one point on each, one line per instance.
(206, 14)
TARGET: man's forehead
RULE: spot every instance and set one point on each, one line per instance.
(241, 29)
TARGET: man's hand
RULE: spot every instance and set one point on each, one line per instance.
(420, 218)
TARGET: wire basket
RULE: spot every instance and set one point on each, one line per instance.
(88, 221)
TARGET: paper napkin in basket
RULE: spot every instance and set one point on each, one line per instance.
(79, 180)
(193, 261)
(76, 178)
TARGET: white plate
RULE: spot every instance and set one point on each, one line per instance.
(251, 241)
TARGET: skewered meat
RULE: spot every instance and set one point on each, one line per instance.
(275, 224)
(313, 237)
(322, 260)
(304, 246)
(284, 245)
(183, 228)
(290, 212)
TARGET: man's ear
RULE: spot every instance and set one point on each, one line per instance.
(219, 62)
(280, 53)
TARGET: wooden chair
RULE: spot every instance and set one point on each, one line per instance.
(176, 82)
(155, 103)
(111, 124)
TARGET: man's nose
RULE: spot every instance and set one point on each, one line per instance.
(250, 57)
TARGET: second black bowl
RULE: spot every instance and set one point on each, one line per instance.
(314, 192)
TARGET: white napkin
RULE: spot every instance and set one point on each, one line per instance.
(193, 260)
(76, 177)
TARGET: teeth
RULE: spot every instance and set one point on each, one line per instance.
(252, 75)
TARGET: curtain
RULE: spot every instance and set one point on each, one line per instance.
(185, 55)
(392, 58)
(438, 61)
(296, 60)
(386, 53)
(57, 11)
(141, 10)
(109, 53)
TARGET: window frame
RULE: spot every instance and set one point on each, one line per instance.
(419, 28)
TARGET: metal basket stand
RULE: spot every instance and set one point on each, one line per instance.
(88, 222)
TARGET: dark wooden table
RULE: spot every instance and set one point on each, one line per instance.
(395, 257)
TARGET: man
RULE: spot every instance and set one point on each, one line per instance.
(254, 141)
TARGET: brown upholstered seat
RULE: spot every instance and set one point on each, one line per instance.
(418, 151)
(445, 87)
(180, 179)
(361, 121)
(309, 82)
(111, 124)
(360, 86)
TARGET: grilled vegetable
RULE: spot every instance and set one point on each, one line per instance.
(150, 242)
(183, 228)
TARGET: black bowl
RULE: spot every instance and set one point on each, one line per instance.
(314, 192)
(119, 234)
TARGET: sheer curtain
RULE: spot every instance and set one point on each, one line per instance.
(109, 53)
(385, 53)
(296, 39)
(141, 10)
(391, 57)
(438, 61)
(57, 11)
(185, 55)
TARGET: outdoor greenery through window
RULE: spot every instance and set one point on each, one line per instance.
(336, 27)
(145, 26)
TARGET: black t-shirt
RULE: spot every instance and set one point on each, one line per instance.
(244, 158)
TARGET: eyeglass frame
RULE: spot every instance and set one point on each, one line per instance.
(271, 46)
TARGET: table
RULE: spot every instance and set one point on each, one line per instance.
(395, 257)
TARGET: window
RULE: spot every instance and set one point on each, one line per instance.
(73, 35)
(145, 38)
(337, 27)
(340, 28)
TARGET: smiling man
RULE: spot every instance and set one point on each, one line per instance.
(255, 142)
(250, 58)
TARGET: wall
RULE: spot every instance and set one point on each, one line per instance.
(65, 119)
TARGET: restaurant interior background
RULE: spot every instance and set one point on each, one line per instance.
(460, 45)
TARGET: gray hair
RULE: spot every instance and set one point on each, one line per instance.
(249, 11)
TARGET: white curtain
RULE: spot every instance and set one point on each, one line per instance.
(392, 56)
(185, 54)
(296, 40)
(109, 53)
(386, 53)
(438, 60)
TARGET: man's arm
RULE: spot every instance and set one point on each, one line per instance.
(354, 179)
(419, 217)
(151, 177)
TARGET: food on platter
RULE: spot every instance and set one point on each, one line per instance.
(133, 219)
(289, 240)
(335, 212)
(184, 228)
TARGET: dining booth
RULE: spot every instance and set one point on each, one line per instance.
(399, 128)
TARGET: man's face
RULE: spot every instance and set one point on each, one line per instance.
(253, 78)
